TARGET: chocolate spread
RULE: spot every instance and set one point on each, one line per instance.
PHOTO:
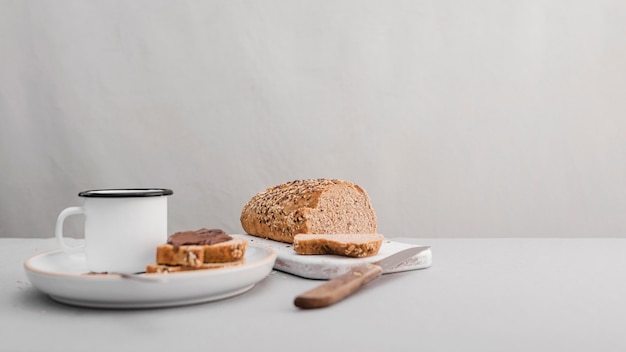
(198, 237)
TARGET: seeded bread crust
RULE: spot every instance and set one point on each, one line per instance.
(326, 206)
(348, 245)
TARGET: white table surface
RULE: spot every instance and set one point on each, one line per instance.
(479, 295)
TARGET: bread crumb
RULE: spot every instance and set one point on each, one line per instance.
(22, 284)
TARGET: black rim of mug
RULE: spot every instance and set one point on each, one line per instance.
(126, 192)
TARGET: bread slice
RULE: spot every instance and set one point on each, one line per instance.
(195, 255)
(159, 268)
(326, 206)
(224, 252)
(349, 245)
(192, 255)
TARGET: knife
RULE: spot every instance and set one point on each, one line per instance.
(344, 285)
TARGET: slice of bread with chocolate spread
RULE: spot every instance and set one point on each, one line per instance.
(200, 249)
(157, 268)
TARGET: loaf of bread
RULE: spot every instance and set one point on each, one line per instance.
(349, 245)
(200, 249)
(323, 206)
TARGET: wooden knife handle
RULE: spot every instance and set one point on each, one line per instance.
(338, 288)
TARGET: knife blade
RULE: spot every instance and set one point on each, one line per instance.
(346, 284)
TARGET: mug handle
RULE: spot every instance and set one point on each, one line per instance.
(59, 228)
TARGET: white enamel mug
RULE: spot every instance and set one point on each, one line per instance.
(123, 227)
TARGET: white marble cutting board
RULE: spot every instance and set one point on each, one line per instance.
(324, 267)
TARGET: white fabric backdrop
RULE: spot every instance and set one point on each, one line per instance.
(460, 118)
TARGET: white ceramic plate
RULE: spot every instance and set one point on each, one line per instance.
(62, 277)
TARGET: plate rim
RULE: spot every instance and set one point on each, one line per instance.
(98, 304)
